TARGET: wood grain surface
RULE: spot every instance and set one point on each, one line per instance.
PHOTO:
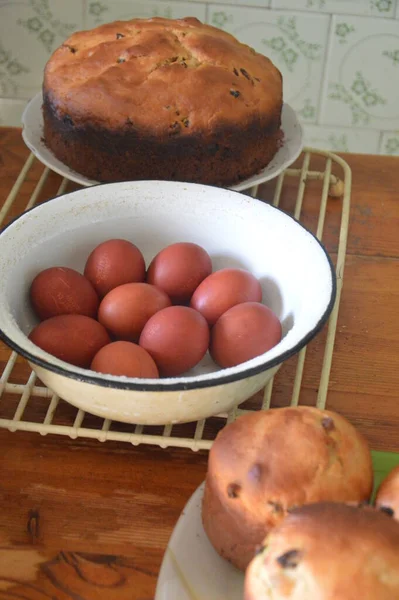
(81, 520)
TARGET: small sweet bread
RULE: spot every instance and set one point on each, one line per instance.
(265, 463)
(328, 552)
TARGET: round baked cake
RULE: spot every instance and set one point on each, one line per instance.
(161, 99)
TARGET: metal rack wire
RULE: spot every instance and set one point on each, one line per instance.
(30, 406)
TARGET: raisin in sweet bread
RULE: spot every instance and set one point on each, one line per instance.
(388, 493)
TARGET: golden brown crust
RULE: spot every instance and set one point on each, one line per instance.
(159, 72)
(388, 493)
(161, 99)
(328, 552)
(265, 463)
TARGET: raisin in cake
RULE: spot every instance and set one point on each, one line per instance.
(388, 493)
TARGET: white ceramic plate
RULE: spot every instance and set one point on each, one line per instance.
(191, 569)
(32, 133)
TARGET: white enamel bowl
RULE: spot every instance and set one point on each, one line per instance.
(295, 272)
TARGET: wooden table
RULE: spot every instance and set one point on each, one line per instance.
(80, 520)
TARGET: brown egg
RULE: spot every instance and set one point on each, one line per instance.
(243, 332)
(125, 358)
(179, 269)
(177, 339)
(73, 338)
(126, 309)
(62, 291)
(224, 289)
(113, 263)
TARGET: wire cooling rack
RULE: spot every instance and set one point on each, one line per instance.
(27, 405)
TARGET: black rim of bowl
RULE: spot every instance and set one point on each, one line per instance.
(160, 385)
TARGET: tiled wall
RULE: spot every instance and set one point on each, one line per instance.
(339, 58)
